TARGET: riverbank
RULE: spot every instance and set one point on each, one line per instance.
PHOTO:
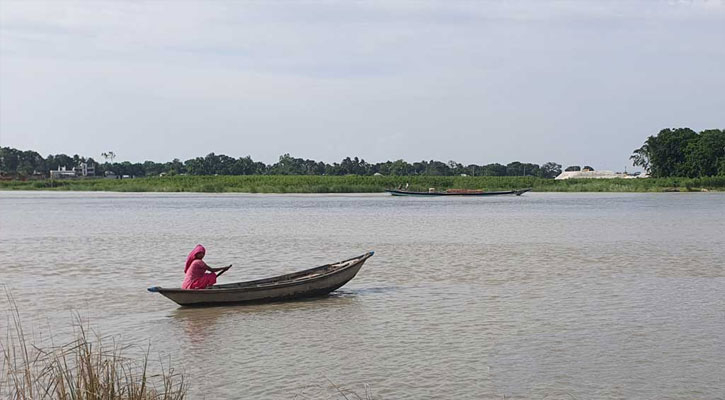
(362, 184)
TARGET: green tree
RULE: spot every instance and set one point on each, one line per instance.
(437, 168)
(494, 169)
(640, 157)
(244, 166)
(25, 167)
(419, 167)
(174, 167)
(703, 156)
(194, 166)
(400, 168)
(151, 168)
(59, 160)
(9, 160)
(550, 170)
(517, 168)
(473, 170)
(288, 165)
(457, 168)
(665, 152)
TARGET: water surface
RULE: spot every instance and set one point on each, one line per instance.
(540, 296)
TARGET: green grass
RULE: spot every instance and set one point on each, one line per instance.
(362, 184)
(86, 368)
(92, 367)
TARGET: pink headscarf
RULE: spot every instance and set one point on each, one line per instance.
(199, 249)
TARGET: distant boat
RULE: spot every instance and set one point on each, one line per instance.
(458, 192)
(313, 282)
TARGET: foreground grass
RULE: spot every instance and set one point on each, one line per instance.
(91, 369)
(84, 369)
(362, 184)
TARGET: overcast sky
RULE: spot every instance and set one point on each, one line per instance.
(476, 82)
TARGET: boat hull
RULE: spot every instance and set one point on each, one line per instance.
(474, 194)
(309, 283)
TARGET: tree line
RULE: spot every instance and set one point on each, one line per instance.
(682, 152)
(679, 152)
(18, 163)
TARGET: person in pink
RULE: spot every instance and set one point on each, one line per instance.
(195, 270)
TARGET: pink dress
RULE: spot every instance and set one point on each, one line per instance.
(196, 276)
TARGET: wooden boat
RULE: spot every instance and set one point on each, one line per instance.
(313, 282)
(458, 192)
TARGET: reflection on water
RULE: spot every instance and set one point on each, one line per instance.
(196, 324)
(196, 320)
(539, 296)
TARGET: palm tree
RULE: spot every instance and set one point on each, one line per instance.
(109, 156)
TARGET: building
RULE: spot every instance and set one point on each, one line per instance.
(63, 173)
(588, 174)
(87, 169)
(83, 169)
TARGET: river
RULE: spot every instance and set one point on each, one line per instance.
(547, 295)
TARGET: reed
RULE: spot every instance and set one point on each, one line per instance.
(83, 369)
(334, 391)
(363, 184)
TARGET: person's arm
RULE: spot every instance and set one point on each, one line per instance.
(223, 270)
(210, 269)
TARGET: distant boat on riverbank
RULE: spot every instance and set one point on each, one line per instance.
(457, 192)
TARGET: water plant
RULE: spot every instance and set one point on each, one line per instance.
(85, 368)
(362, 184)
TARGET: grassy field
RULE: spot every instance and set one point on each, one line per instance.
(361, 184)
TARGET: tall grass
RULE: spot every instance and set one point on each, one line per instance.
(363, 184)
(83, 369)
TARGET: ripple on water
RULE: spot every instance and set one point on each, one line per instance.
(542, 296)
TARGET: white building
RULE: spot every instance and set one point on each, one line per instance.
(593, 175)
(84, 169)
(62, 173)
(87, 169)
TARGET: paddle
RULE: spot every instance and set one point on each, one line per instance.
(223, 270)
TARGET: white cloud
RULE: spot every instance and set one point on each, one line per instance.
(572, 82)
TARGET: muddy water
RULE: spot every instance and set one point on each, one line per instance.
(539, 296)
